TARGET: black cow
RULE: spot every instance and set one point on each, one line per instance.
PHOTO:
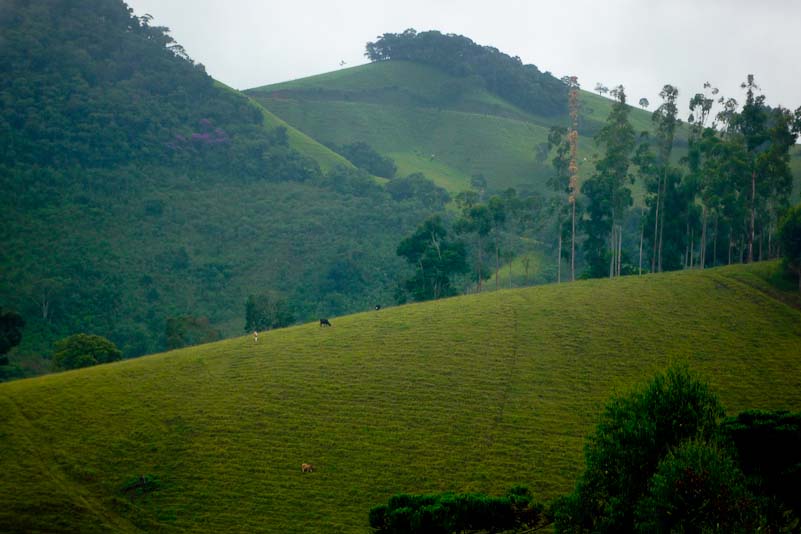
(377, 307)
(324, 322)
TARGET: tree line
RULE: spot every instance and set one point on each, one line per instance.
(720, 203)
(726, 200)
(523, 85)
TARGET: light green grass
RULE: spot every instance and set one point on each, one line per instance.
(397, 107)
(448, 146)
(474, 393)
(301, 142)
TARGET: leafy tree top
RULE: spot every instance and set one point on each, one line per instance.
(84, 350)
(524, 85)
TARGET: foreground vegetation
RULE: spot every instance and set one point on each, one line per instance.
(470, 394)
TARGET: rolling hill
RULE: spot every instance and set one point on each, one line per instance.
(473, 393)
(410, 112)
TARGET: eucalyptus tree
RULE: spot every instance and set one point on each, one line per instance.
(665, 121)
(607, 192)
(560, 183)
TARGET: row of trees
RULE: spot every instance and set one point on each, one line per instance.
(719, 203)
(448, 255)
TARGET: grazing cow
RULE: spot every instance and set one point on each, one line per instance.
(255, 336)
(324, 322)
(377, 307)
(306, 468)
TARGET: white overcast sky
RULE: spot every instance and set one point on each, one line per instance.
(642, 44)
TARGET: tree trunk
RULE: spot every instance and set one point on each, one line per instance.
(662, 219)
(559, 258)
(715, 245)
(620, 249)
(753, 217)
(731, 244)
(480, 270)
(687, 246)
(612, 250)
(497, 263)
(656, 224)
(642, 235)
(526, 262)
(760, 246)
(702, 245)
(770, 236)
(692, 252)
(572, 246)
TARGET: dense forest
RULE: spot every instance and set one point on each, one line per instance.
(140, 196)
(523, 85)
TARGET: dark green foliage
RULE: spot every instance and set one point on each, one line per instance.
(768, 448)
(84, 350)
(697, 487)
(365, 157)
(85, 82)
(188, 330)
(417, 186)
(523, 85)
(435, 260)
(11, 325)
(456, 512)
(266, 311)
(355, 182)
(134, 187)
(790, 240)
(635, 433)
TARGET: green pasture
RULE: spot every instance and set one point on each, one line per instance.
(473, 393)
(403, 110)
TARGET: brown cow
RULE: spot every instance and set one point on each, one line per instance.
(306, 468)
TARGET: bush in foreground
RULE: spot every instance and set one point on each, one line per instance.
(456, 512)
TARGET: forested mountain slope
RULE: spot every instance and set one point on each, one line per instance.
(136, 189)
(474, 393)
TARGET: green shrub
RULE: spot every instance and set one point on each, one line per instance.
(697, 488)
(84, 350)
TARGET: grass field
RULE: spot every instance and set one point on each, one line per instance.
(474, 393)
(397, 107)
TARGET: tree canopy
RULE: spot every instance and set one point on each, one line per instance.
(434, 258)
(84, 350)
(523, 85)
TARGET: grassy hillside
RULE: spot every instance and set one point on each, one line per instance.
(471, 393)
(430, 122)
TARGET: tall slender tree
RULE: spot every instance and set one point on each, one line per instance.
(573, 106)
(700, 110)
(665, 121)
(607, 192)
(560, 182)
